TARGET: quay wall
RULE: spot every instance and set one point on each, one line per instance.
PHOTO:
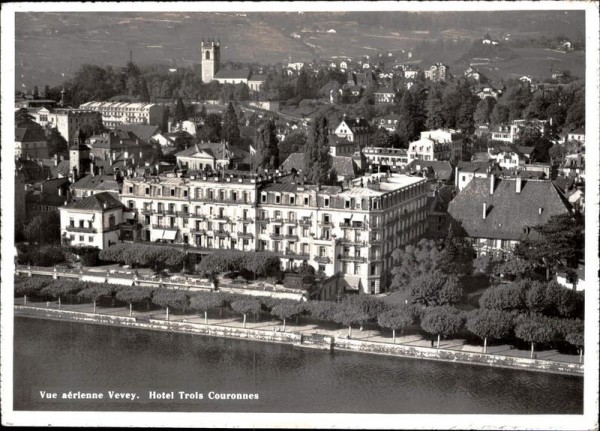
(308, 340)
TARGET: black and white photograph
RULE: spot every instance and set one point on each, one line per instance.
(347, 215)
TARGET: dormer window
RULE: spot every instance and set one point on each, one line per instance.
(277, 199)
(292, 199)
(326, 202)
(263, 198)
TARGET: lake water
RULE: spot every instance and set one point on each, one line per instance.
(58, 357)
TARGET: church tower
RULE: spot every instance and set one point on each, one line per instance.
(211, 58)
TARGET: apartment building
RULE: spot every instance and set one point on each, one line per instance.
(350, 231)
(440, 144)
(66, 121)
(117, 113)
(394, 158)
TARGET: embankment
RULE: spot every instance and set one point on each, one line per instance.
(318, 341)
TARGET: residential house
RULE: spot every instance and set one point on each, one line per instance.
(344, 166)
(464, 172)
(496, 214)
(390, 158)
(257, 82)
(120, 143)
(437, 72)
(434, 171)
(92, 222)
(355, 130)
(387, 123)
(341, 146)
(92, 184)
(208, 155)
(385, 96)
(30, 142)
(67, 121)
(440, 144)
(510, 156)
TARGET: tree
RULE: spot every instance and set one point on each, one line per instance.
(513, 267)
(179, 114)
(414, 260)
(29, 286)
(531, 136)
(204, 301)
(499, 114)
(36, 92)
(435, 110)
(558, 245)
(211, 131)
(484, 109)
(457, 255)
(131, 294)
(348, 314)
(267, 151)
(286, 309)
(43, 229)
(486, 323)
(94, 292)
(246, 306)
(440, 321)
(143, 91)
(381, 138)
(57, 144)
(396, 318)
(59, 288)
(317, 158)
(293, 143)
(303, 90)
(169, 298)
(435, 288)
(575, 336)
(231, 129)
(505, 297)
(321, 310)
(407, 126)
(536, 329)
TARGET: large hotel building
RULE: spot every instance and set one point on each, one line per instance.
(349, 231)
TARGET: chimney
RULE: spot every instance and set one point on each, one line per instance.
(56, 160)
(519, 184)
(492, 183)
(484, 210)
(540, 210)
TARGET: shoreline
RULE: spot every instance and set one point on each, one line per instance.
(313, 341)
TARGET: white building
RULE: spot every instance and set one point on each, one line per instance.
(91, 222)
(66, 121)
(395, 158)
(440, 144)
(351, 232)
(117, 113)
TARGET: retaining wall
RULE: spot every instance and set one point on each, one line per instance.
(308, 340)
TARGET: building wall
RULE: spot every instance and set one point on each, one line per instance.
(90, 228)
(35, 150)
(211, 58)
(344, 233)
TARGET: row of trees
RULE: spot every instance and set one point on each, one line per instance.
(143, 255)
(257, 264)
(440, 321)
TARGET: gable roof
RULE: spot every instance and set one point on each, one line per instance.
(29, 134)
(142, 131)
(357, 125)
(99, 201)
(258, 78)
(508, 212)
(96, 182)
(442, 169)
(343, 165)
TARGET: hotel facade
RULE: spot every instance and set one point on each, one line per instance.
(347, 231)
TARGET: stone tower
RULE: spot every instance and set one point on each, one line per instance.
(211, 58)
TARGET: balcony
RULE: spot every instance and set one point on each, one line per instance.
(276, 236)
(198, 216)
(356, 243)
(81, 229)
(292, 237)
(291, 254)
(326, 223)
(221, 233)
(220, 217)
(289, 221)
(353, 225)
(245, 235)
(246, 220)
(263, 220)
(159, 226)
(350, 258)
(198, 231)
(277, 220)
(321, 259)
(305, 222)
(375, 258)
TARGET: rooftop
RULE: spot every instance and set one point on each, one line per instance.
(98, 201)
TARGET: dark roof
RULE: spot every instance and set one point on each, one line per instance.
(29, 134)
(441, 169)
(142, 131)
(63, 168)
(98, 201)
(116, 140)
(508, 212)
(233, 74)
(96, 182)
(357, 125)
(336, 141)
(519, 149)
(342, 165)
(473, 166)
(48, 199)
(258, 77)
(385, 90)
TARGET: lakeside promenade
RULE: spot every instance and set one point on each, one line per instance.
(269, 329)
